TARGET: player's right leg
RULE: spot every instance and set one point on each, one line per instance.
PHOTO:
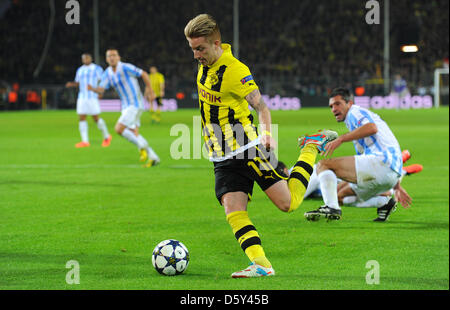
(288, 196)
(83, 128)
(328, 170)
(82, 111)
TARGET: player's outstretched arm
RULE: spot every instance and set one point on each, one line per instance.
(366, 130)
(98, 90)
(257, 102)
(72, 84)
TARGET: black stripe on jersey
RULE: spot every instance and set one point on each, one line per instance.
(305, 166)
(239, 133)
(231, 118)
(300, 177)
(232, 121)
(250, 117)
(249, 242)
(243, 231)
(202, 112)
(214, 119)
(205, 130)
(220, 72)
(204, 75)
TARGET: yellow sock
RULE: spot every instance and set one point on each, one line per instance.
(248, 237)
(300, 175)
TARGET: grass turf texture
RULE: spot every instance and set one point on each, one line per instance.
(100, 207)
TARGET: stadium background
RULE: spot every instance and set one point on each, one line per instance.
(102, 208)
(302, 50)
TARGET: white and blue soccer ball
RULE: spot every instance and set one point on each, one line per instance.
(170, 257)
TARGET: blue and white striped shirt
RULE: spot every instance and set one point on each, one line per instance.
(125, 82)
(383, 143)
(88, 74)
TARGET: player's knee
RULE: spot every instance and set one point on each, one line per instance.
(284, 206)
(323, 165)
(119, 129)
(341, 197)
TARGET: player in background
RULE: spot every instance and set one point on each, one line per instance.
(87, 102)
(158, 86)
(375, 169)
(240, 154)
(123, 77)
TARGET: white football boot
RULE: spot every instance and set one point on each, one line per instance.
(254, 271)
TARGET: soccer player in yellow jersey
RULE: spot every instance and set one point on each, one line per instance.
(158, 85)
(240, 154)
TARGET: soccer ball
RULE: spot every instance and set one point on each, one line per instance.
(170, 257)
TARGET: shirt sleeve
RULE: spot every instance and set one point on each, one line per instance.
(99, 72)
(242, 82)
(104, 81)
(77, 76)
(357, 118)
(364, 118)
(132, 69)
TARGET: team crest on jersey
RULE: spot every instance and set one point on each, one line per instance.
(214, 79)
(246, 79)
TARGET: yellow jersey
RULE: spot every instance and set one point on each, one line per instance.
(156, 79)
(227, 123)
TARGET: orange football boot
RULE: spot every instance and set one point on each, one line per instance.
(106, 142)
(415, 168)
(82, 144)
(406, 155)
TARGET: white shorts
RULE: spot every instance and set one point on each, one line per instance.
(373, 176)
(131, 117)
(88, 107)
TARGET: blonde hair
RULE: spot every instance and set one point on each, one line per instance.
(203, 25)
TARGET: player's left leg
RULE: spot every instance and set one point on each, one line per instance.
(83, 129)
(348, 197)
(128, 127)
(146, 151)
(101, 125)
(233, 188)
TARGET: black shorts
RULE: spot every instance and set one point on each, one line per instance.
(239, 175)
(159, 100)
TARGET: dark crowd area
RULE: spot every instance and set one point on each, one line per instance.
(291, 47)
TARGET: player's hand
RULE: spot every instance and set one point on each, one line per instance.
(268, 142)
(331, 146)
(149, 97)
(89, 87)
(402, 197)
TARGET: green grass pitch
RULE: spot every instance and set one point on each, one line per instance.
(98, 206)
